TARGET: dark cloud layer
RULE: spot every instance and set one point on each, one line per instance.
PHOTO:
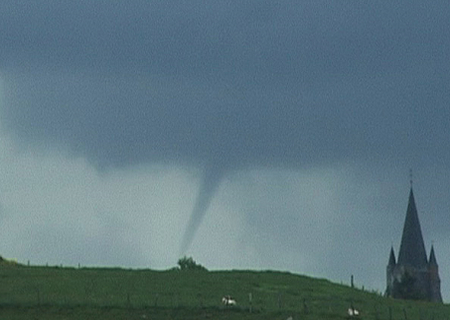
(253, 83)
(230, 85)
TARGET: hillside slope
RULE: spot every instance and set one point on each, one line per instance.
(98, 293)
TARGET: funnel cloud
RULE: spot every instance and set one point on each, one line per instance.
(209, 184)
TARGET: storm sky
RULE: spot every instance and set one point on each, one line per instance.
(247, 134)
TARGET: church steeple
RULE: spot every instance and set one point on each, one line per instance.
(432, 260)
(392, 258)
(435, 281)
(412, 248)
(414, 276)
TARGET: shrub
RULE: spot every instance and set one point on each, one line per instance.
(187, 263)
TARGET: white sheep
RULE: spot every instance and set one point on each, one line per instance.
(352, 312)
(228, 301)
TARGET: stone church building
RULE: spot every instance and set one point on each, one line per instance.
(413, 275)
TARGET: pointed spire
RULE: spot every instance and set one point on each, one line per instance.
(392, 258)
(432, 260)
(412, 248)
(410, 178)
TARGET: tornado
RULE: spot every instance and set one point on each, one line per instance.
(212, 176)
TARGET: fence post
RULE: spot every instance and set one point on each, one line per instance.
(377, 317)
(200, 300)
(279, 300)
(305, 306)
(128, 300)
(38, 294)
(250, 302)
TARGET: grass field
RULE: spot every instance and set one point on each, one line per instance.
(52, 293)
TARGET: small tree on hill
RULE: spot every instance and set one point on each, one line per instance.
(187, 263)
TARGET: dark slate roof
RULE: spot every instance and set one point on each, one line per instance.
(392, 258)
(432, 260)
(412, 249)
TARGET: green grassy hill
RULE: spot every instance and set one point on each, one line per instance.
(68, 293)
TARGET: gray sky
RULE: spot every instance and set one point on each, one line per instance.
(250, 134)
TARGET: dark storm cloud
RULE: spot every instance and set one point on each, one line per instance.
(253, 83)
(229, 84)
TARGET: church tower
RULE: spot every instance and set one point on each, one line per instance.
(413, 276)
